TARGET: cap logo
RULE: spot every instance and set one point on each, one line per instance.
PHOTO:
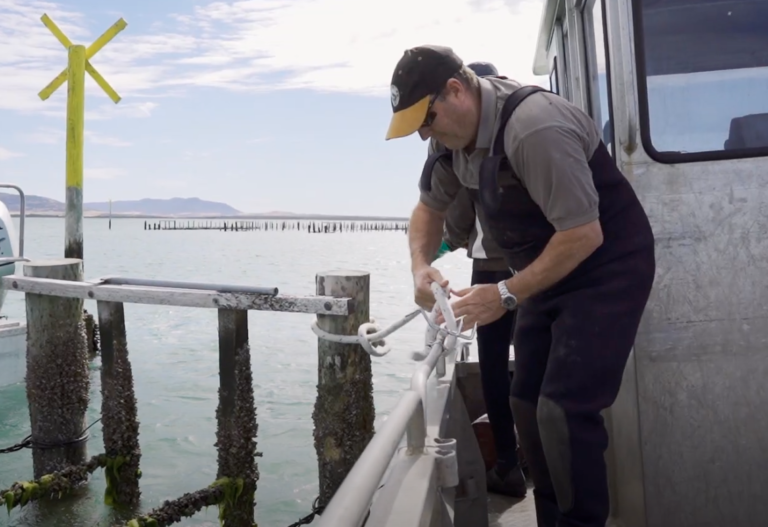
(394, 95)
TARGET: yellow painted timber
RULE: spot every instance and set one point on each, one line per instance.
(94, 48)
(95, 75)
(78, 64)
(75, 116)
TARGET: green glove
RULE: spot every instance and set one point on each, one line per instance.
(443, 250)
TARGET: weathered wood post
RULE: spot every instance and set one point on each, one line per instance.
(74, 74)
(119, 417)
(344, 411)
(73, 246)
(236, 416)
(91, 334)
(57, 370)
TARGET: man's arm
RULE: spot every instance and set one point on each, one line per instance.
(425, 232)
(554, 168)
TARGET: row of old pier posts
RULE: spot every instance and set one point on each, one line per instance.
(58, 394)
(244, 226)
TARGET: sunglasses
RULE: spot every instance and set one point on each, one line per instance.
(430, 117)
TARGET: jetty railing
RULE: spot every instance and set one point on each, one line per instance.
(57, 384)
(428, 461)
(437, 475)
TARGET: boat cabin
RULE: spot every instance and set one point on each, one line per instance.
(680, 90)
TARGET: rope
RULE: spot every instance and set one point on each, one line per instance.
(27, 442)
(309, 518)
(370, 335)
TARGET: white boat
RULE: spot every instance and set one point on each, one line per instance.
(13, 332)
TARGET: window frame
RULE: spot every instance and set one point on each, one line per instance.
(644, 110)
(590, 45)
(554, 71)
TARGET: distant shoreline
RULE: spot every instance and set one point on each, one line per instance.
(265, 217)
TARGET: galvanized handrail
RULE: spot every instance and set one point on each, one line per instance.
(176, 284)
(352, 500)
(215, 296)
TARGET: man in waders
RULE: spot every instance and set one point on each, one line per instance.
(465, 228)
(581, 245)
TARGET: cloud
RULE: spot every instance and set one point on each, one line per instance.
(260, 49)
(257, 45)
(6, 154)
(101, 139)
(46, 135)
(103, 173)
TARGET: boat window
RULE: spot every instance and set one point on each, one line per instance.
(702, 78)
(565, 80)
(553, 77)
(598, 62)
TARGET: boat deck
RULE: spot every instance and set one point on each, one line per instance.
(511, 512)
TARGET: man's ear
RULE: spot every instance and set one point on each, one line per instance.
(454, 88)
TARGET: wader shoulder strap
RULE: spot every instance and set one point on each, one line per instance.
(425, 183)
(489, 169)
(510, 105)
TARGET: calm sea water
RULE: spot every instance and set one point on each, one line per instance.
(175, 358)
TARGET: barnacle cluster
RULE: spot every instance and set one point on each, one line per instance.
(224, 492)
(51, 485)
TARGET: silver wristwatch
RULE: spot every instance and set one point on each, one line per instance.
(508, 300)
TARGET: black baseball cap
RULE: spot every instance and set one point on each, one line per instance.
(420, 74)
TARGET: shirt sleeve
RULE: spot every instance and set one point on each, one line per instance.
(445, 186)
(551, 163)
(459, 221)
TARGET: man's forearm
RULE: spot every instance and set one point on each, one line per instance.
(425, 233)
(564, 252)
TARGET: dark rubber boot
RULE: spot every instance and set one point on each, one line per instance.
(547, 513)
(512, 485)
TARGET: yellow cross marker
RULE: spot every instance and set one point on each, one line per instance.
(74, 74)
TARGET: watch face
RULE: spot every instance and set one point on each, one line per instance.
(509, 302)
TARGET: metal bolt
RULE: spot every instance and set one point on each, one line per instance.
(327, 305)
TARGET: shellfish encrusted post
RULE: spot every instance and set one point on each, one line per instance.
(57, 380)
(236, 418)
(344, 411)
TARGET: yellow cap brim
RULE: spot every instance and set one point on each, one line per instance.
(407, 121)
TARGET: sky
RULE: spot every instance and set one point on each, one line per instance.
(267, 105)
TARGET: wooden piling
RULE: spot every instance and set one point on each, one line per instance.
(344, 411)
(57, 379)
(119, 417)
(90, 333)
(236, 416)
(73, 247)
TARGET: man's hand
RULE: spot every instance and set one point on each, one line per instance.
(479, 304)
(422, 279)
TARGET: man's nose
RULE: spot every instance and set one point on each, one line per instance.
(425, 133)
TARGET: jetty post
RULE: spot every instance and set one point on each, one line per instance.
(344, 412)
(236, 416)
(74, 74)
(57, 379)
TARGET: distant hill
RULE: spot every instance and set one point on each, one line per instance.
(34, 203)
(173, 206)
(37, 205)
(169, 208)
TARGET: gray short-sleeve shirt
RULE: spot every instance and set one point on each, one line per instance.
(548, 142)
